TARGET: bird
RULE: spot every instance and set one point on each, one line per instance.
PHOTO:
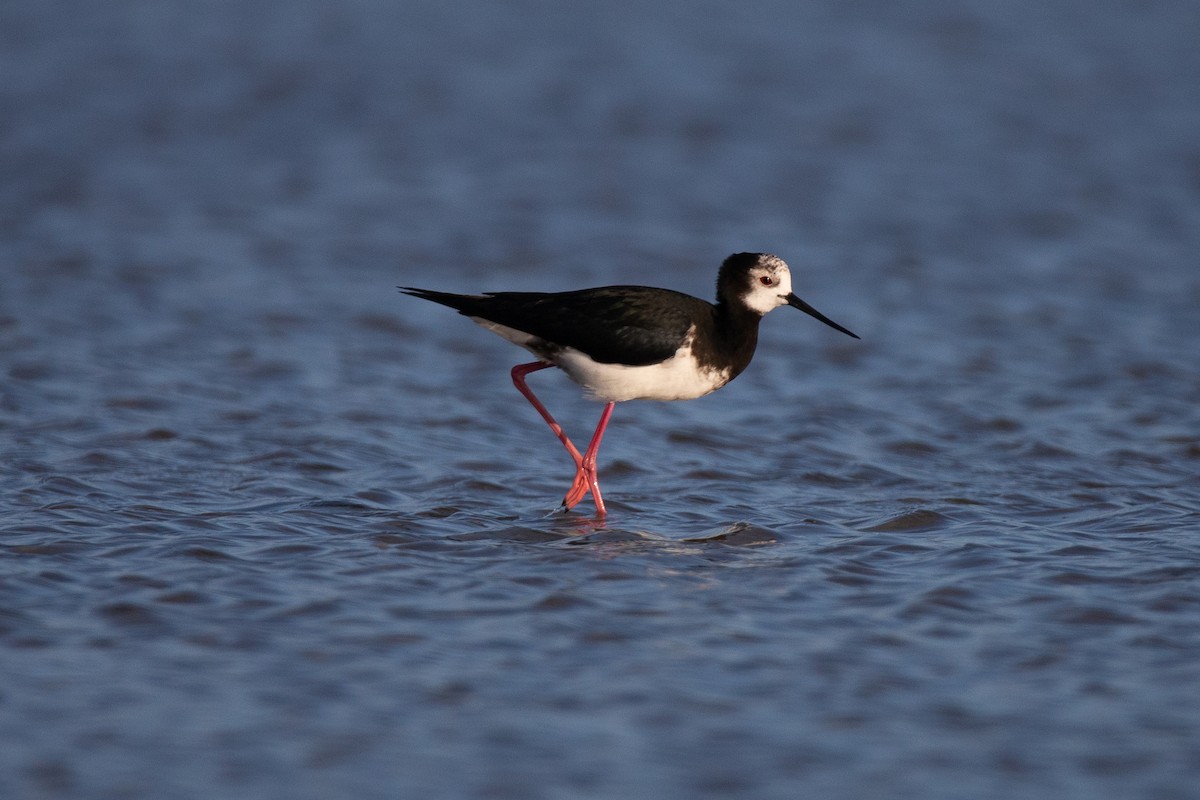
(634, 342)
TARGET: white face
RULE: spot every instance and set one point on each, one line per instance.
(770, 284)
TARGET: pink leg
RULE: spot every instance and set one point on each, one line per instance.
(518, 377)
(585, 465)
(586, 478)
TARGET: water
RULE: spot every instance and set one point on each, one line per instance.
(269, 529)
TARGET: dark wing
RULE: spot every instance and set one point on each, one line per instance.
(634, 325)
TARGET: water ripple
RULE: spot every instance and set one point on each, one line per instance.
(269, 529)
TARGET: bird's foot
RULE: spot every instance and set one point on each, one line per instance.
(579, 489)
(585, 481)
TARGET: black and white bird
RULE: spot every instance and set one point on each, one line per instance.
(634, 342)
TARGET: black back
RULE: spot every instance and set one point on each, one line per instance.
(632, 325)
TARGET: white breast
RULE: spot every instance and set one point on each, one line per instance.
(680, 377)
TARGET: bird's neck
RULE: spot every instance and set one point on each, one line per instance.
(736, 317)
(737, 333)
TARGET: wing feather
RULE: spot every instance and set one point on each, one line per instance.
(634, 325)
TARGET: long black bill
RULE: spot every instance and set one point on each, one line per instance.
(796, 302)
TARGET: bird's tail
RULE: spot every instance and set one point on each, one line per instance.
(459, 302)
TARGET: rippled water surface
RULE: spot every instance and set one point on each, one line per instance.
(269, 529)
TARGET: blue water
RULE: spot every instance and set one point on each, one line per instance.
(269, 529)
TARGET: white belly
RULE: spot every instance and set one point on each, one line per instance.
(677, 378)
(680, 377)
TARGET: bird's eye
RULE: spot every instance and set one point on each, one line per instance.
(766, 280)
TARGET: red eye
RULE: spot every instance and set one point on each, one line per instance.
(766, 280)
